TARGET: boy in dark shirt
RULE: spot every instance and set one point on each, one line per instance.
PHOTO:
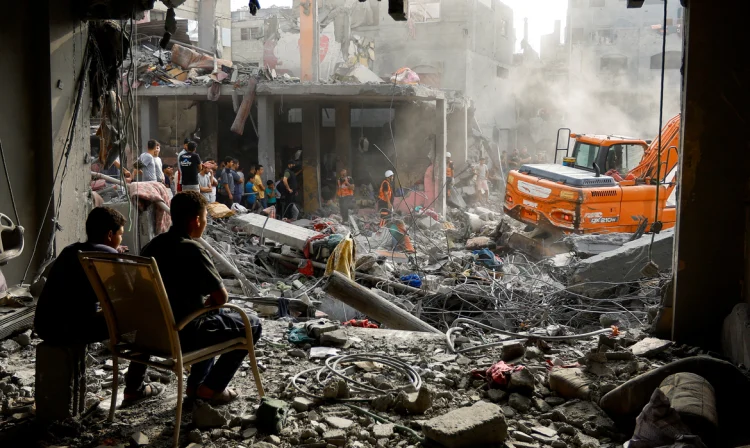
(66, 311)
(189, 277)
(190, 163)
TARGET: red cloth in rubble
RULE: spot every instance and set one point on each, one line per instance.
(149, 192)
(360, 323)
(498, 374)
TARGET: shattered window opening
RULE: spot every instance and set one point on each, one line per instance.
(421, 11)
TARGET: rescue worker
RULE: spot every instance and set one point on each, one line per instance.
(345, 193)
(288, 189)
(385, 198)
(448, 173)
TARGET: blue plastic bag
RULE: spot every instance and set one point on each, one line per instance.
(412, 280)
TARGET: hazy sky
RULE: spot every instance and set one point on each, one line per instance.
(541, 13)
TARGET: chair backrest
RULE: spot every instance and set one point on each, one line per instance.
(134, 301)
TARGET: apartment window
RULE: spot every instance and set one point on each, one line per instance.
(255, 32)
(578, 36)
(502, 72)
(603, 37)
(672, 60)
(596, 3)
(503, 27)
(294, 116)
(424, 10)
(613, 64)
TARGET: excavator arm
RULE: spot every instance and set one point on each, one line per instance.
(670, 140)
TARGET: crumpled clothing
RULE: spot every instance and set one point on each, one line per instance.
(498, 374)
(365, 323)
(148, 192)
(659, 425)
(405, 75)
(306, 268)
(488, 259)
(342, 259)
(308, 244)
(299, 336)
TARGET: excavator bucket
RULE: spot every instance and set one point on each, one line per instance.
(11, 239)
(536, 247)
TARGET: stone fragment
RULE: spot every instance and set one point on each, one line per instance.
(206, 416)
(513, 351)
(534, 353)
(249, 433)
(509, 412)
(337, 388)
(522, 436)
(335, 437)
(383, 430)
(559, 444)
(338, 422)
(578, 412)
(650, 347)
(337, 338)
(139, 438)
(319, 327)
(569, 383)
(541, 405)
(416, 403)
(554, 401)
(297, 353)
(383, 402)
(194, 436)
(521, 381)
(271, 415)
(478, 425)
(545, 431)
(479, 242)
(302, 404)
(581, 440)
(9, 346)
(496, 395)
(519, 402)
(23, 339)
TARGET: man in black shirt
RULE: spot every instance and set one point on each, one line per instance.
(189, 276)
(190, 163)
(288, 189)
(66, 312)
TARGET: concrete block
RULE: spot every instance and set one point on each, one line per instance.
(60, 381)
(480, 425)
(594, 276)
(735, 337)
(279, 231)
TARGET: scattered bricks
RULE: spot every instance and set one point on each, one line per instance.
(569, 383)
(521, 381)
(416, 403)
(302, 404)
(383, 430)
(496, 395)
(513, 351)
(583, 441)
(650, 347)
(271, 415)
(519, 403)
(205, 416)
(478, 425)
(337, 338)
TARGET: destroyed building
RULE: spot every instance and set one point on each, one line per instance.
(448, 338)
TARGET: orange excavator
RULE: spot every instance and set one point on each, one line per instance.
(608, 185)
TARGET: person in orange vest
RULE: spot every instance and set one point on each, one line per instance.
(385, 198)
(345, 193)
(448, 173)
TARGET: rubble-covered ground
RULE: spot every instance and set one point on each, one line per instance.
(551, 402)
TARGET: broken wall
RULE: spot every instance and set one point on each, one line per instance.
(38, 95)
(177, 120)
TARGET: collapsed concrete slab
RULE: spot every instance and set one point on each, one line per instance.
(279, 231)
(595, 276)
(480, 425)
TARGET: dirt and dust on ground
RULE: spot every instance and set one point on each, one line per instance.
(524, 353)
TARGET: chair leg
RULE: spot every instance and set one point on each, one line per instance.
(256, 372)
(178, 420)
(115, 375)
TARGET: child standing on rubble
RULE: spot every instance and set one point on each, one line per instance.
(272, 195)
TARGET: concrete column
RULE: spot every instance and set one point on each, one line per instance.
(311, 157)
(458, 137)
(711, 249)
(149, 121)
(208, 121)
(309, 44)
(441, 128)
(206, 27)
(267, 136)
(344, 137)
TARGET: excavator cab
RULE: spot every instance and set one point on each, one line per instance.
(600, 155)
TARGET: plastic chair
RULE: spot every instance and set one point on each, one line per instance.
(140, 321)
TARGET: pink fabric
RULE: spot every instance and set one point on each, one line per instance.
(149, 192)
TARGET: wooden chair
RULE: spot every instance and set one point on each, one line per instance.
(140, 320)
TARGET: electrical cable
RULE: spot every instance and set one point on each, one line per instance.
(656, 226)
(10, 187)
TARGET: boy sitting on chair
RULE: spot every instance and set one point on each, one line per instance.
(189, 277)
